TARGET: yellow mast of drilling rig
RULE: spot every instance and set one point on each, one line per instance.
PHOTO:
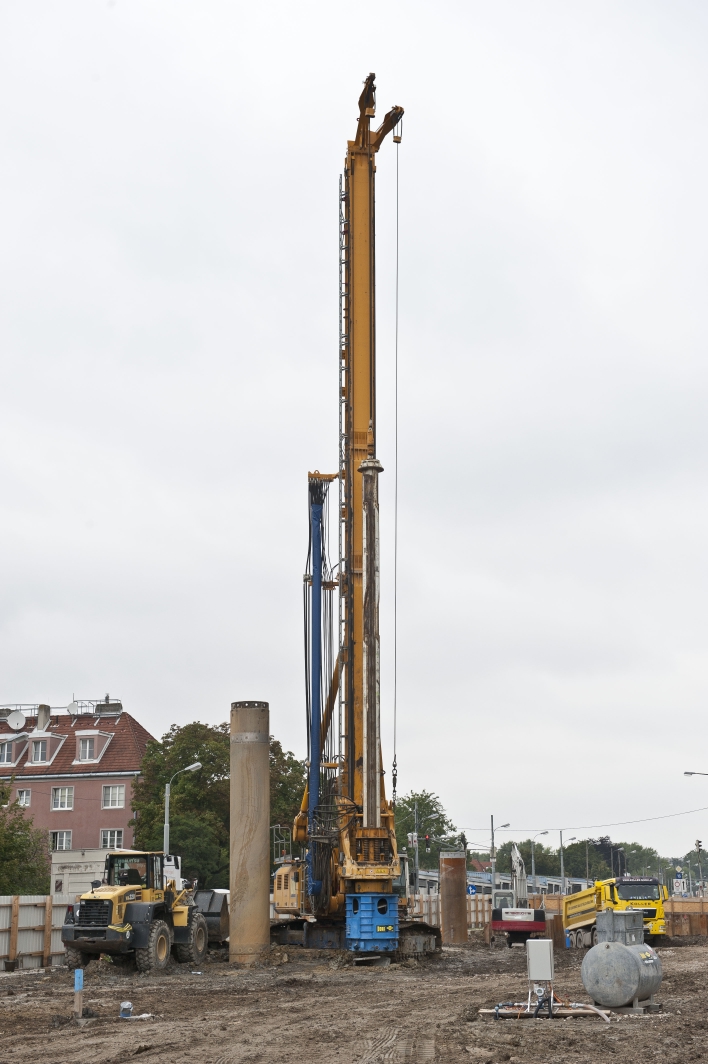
(362, 777)
(346, 821)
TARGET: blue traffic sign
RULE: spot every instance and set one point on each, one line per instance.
(471, 889)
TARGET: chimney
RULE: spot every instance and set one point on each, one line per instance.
(43, 717)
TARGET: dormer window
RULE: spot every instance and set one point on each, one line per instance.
(86, 749)
(91, 745)
(39, 750)
(6, 753)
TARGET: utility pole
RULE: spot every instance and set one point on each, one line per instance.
(533, 860)
(571, 839)
(493, 856)
(415, 808)
(587, 863)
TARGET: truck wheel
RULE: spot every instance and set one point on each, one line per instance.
(156, 954)
(194, 950)
(593, 938)
(76, 959)
(579, 939)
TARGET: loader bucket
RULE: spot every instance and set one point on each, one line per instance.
(214, 906)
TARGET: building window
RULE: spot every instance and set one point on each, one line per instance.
(86, 750)
(114, 797)
(112, 839)
(60, 840)
(23, 798)
(63, 798)
(39, 750)
(5, 753)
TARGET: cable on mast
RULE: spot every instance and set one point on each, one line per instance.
(397, 134)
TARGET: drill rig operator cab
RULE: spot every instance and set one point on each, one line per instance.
(134, 915)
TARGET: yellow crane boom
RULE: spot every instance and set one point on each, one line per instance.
(359, 467)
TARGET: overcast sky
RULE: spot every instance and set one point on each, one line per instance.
(169, 375)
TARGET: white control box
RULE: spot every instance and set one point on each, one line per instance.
(539, 959)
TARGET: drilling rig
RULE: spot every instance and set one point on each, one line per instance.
(352, 885)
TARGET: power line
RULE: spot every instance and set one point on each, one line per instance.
(587, 827)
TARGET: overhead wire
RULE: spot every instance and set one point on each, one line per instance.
(587, 827)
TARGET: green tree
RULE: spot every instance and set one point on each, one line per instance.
(199, 801)
(287, 784)
(575, 859)
(432, 821)
(24, 850)
(547, 861)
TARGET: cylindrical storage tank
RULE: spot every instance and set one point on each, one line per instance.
(453, 897)
(249, 879)
(614, 974)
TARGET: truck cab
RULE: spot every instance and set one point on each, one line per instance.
(641, 893)
(638, 893)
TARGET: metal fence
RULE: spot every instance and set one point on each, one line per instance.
(30, 929)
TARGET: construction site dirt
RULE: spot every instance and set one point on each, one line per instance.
(318, 1006)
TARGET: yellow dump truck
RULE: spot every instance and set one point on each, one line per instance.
(625, 892)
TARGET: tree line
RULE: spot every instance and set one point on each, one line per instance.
(199, 821)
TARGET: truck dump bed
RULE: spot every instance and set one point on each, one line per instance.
(580, 910)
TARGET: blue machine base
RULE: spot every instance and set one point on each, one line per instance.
(372, 923)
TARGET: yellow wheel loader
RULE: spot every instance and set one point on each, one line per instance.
(135, 914)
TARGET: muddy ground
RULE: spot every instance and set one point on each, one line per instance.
(306, 1007)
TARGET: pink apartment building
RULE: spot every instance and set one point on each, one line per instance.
(73, 770)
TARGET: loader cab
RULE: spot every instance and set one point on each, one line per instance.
(142, 870)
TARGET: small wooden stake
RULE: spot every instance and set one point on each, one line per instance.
(47, 955)
(14, 928)
(78, 993)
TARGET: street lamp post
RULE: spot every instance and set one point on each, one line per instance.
(533, 860)
(620, 849)
(572, 839)
(493, 854)
(699, 844)
(166, 829)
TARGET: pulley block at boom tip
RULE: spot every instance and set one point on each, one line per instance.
(365, 138)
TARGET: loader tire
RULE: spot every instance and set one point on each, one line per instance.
(76, 959)
(156, 954)
(194, 951)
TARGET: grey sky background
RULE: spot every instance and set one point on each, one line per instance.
(169, 375)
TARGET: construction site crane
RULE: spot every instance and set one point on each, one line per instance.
(351, 879)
